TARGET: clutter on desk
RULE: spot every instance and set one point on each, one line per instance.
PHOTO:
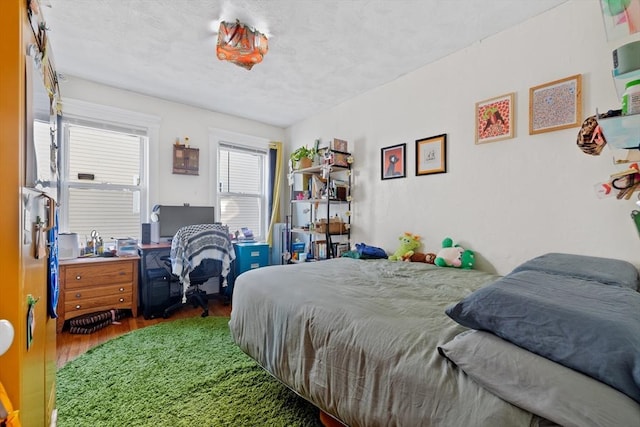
(244, 235)
(94, 246)
(126, 247)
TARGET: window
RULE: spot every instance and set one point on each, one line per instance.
(104, 169)
(242, 187)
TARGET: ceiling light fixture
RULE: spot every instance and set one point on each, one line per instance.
(241, 45)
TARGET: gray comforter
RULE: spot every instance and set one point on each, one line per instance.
(359, 340)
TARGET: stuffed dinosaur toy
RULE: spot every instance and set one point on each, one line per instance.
(408, 243)
(454, 256)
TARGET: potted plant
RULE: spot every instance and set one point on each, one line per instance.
(302, 157)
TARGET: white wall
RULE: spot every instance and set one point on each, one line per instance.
(176, 120)
(508, 200)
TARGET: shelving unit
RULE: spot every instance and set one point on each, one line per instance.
(621, 132)
(320, 209)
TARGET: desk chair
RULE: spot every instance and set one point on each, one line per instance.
(208, 269)
(199, 253)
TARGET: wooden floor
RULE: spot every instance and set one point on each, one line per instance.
(69, 346)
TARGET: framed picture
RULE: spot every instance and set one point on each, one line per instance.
(431, 155)
(393, 161)
(555, 105)
(494, 119)
(340, 159)
(339, 145)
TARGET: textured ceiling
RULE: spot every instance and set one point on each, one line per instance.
(321, 53)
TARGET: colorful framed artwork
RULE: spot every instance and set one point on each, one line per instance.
(431, 155)
(555, 105)
(393, 161)
(495, 119)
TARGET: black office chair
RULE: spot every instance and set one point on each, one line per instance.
(199, 253)
(208, 268)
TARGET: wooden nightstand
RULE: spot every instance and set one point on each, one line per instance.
(89, 285)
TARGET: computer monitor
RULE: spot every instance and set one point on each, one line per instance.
(171, 218)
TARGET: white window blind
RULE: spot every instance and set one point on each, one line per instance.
(241, 188)
(102, 184)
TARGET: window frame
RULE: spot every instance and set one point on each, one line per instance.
(218, 137)
(81, 113)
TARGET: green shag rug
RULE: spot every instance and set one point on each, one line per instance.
(186, 372)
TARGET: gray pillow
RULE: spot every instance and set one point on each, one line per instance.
(580, 324)
(604, 270)
(539, 385)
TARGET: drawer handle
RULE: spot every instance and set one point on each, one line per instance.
(78, 295)
(255, 265)
(121, 289)
(255, 253)
(121, 299)
(78, 277)
(78, 307)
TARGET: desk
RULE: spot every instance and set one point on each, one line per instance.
(150, 255)
(155, 281)
(88, 285)
(158, 289)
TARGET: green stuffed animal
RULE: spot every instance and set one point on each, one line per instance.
(454, 256)
(408, 243)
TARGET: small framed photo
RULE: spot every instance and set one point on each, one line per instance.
(431, 155)
(340, 159)
(339, 145)
(555, 105)
(494, 119)
(393, 161)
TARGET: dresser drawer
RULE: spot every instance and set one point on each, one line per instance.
(82, 276)
(91, 305)
(97, 291)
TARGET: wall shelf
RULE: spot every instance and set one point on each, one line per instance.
(620, 80)
(621, 131)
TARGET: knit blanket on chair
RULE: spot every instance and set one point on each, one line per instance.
(195, 243)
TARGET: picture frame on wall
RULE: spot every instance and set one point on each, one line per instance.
(431, 155)
(393, 161)
(555, 105)
(495, 119)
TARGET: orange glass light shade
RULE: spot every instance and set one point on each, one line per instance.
(240, 44)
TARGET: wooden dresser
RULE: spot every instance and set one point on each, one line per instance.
(89, 285)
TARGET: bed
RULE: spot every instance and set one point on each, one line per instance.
(383, 343)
